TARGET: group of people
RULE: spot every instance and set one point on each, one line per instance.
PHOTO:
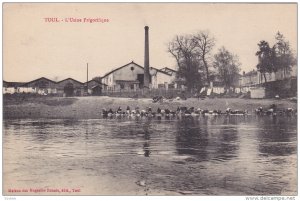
(273, 110)
(185, 111)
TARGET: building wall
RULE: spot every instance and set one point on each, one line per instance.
(108, 80)
(77, 86)
(269, 77)
(41, 86)
(257, 92)
(62, 84)
(92, 84)
(127, 86)
(104, 80)
(161, 79)
(250, 79)
(129, 73)
(94, 87)
(5, 84)
(279, 75)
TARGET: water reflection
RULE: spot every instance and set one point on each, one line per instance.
(191, 139)
(146, 146)
(210, 138)
(205, 155)
(228, 144)
(276, 137)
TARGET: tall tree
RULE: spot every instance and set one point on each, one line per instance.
(204, 43)
(183, 49)
(284, 56)
(266, 59)
(279, 57)
(227, 65)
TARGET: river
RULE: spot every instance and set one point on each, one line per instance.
(221, 155)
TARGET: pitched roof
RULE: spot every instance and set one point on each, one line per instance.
(69, 79)
(95, 81)
(158, 70)
(92, 81)
(121, 68)
(13, 84)
(39, 79)
(168, 69)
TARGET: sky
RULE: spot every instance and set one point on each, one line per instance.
(33, 47)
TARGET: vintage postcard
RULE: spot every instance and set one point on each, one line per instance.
(150, 99)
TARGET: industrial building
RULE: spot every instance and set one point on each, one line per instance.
(130, 77)
(45, 86)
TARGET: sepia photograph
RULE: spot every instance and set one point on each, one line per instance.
(150, 99)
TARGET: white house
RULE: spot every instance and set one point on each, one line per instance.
(279, 75)
(249, 79)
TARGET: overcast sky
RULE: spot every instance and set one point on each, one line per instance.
(34, 48)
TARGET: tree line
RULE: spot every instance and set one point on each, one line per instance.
(275, 58)
(197, 66)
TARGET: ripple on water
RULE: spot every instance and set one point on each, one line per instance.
(207, 156)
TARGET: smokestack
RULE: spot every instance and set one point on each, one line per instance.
(146, 60)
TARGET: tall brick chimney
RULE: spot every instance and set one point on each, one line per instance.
(146, 60)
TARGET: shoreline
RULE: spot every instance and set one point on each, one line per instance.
(91, 107)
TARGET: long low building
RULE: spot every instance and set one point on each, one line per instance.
(45, 86)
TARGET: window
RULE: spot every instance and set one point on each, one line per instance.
(132, 86)
(122, 86)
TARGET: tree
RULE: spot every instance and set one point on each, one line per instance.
(183, 49)
(279, 57)
(227, 65)
(266, 59)
(283, 54)
(204, 43)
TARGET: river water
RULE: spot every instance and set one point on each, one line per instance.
(224, 155)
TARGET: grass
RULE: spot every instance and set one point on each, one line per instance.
(21, 99)
(57, 101)
(91, 107)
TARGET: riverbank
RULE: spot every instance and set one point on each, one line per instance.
(91, 107)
